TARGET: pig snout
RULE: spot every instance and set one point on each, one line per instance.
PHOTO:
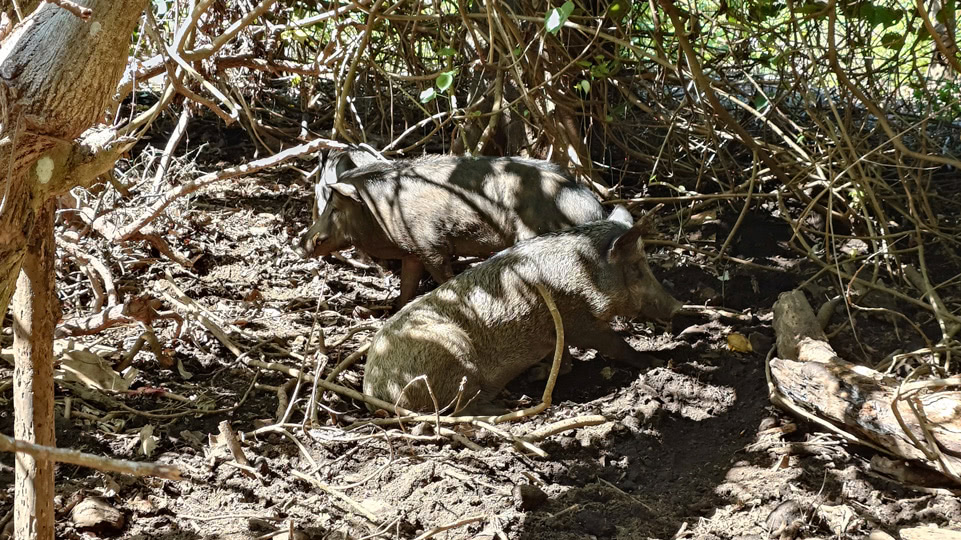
(658, 304)
(303, 246)
(306, 243)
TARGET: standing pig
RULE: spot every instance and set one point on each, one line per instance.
(429, 210)
(489, 324)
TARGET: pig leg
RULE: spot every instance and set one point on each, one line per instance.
(439, 267)
(411, 270)
(599, 336)
(541, 371)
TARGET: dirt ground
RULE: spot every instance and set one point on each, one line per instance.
(692, 448)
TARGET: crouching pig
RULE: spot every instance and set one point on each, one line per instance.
(427, 211)
(489, 323)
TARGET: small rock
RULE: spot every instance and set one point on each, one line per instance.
(529, 497)
(840, 518)
(597, 436)
(785, 520)
(929, 533)
(694, 332)
(96, 513)
(361, 312)
(767, 423)
(376, 507)
(142, 506)
(880, 535)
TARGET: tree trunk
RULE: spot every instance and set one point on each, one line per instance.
(35, 315)
(57, 76)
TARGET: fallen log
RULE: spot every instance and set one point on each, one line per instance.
(921, 421)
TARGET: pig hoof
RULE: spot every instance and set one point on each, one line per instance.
(538, 373)
(541, 371)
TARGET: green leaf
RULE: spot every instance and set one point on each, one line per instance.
(760, 100)
(444, 80)
(878, 15)
(553, 21)
(619, 8)
(856, 195)
(893, 40)
(584, 86)
(295, 80)
(446, 51)
(601, 71)
(942, 15)
(556, 17)
(428, 95)
(765, 9)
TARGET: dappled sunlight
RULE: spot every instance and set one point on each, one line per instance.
(489, 324)
(437, 208)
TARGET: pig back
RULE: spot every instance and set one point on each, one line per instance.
(542, 197)
(490, 323)
(471, 206)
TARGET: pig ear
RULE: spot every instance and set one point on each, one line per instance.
(322, 195)
(629, 245)
(365, 155)
(347, 190)
(621, 215)
(338, 162)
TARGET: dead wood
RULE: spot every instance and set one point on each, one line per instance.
(141, 309)
(128, 231)
(923, 425)
(78, 10)
(75, 457)
(794, 319)
(228, 437)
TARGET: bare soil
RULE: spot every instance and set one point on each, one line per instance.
(692, 449)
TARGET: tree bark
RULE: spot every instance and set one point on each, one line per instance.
(57, 77)
(920, 424)
(35, 315)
